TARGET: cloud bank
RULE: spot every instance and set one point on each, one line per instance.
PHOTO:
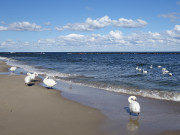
(91, 25)
(113, 41)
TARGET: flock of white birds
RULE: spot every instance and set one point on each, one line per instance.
(32, 76)
(164, 70)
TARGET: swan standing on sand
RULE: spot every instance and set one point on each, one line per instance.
(27, 80)
(134, 105)
(33, 76)
(12, 69)
(49, 82)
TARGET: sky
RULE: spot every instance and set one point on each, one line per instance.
(89, 25)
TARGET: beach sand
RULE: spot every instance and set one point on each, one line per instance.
(35, 110)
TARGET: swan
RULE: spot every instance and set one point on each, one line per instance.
(170, 74)
(134, 105)
(27, 80)
(33, 76)
(151, 67)
(49, 82)
(159, 66)
(12, 69)
(137, 68)
(144, 71)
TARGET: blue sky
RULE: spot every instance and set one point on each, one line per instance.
(89, 25)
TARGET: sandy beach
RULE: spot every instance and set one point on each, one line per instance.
(35, 110)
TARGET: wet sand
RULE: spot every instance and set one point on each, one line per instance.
(35, 110)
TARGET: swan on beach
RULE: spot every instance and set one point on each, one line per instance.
(33, 76)
(27, 80)
(134, 105)
(49, 82)
(12, 69)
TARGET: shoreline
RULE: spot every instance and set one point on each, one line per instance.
(39, 111)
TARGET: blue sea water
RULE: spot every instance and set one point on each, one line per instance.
(114, 72)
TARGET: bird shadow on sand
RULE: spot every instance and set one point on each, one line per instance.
(30, 84)
(129, 112)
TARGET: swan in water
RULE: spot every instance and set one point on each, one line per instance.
(151, 67)
(49, 82)
(159, 66)
(134, 105)
(144, 71)
(170, 74)
(137, 68)
(12, 69)
(27, 80)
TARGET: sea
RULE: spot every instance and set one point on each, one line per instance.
(107, 71)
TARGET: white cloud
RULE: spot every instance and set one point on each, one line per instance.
(2, 28)
(22, 26)
(128, 23)
(90, 24)
(172, 16)
(175, 32)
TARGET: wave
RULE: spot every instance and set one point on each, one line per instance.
(81, 80)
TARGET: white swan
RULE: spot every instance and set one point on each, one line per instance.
(134, 105)
(145, 72)
(137, 68)
(49, 82)
(33, 76)
(159, 66)
(27, 80)
(13, 69)
(151, 67)
(170, 74)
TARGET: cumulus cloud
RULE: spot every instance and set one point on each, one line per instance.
(90, 24)
(172, 16)
(22, 26)
(175, 32)
(168, 40)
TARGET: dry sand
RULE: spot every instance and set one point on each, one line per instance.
(35, 110)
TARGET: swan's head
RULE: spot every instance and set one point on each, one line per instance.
(131, 99)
